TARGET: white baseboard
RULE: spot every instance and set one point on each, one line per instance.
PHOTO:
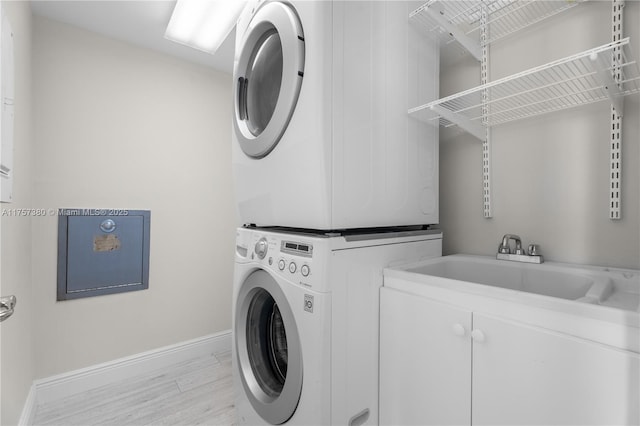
(29, 408)
(73, 382)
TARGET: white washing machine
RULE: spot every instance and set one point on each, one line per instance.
(306, 322)
(322, 139)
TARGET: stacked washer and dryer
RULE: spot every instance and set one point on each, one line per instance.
(334, 182)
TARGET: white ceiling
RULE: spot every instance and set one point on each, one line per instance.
(141, 23)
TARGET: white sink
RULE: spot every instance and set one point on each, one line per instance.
(595, 303)
(600, 286)
(538, 279)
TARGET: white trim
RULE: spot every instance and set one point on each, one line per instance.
(62, 385)
(29, 408)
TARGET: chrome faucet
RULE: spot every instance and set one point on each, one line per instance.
(518, 254)
(505, 248)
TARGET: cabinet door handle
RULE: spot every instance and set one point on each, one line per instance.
(477, 336)
(458, 330)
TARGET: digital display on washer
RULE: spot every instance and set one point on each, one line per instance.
(299, 249)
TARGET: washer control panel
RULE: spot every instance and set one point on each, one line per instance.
(295, 258)
(292, 259)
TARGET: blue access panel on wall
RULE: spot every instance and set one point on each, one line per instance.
(102, 251)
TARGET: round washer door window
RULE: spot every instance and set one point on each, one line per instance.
(267, 78)
(268, 348)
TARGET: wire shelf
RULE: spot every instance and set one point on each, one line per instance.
(459, 20)
(580, 79)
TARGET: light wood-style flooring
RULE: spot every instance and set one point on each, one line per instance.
(195, 392)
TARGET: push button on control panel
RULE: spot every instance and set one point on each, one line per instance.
(292, 267)
(281, 264)
(305, 270)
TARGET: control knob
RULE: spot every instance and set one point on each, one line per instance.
(261, 248)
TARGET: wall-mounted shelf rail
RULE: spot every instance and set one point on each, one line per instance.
(580, 79)
(615, 143)
(461, 20)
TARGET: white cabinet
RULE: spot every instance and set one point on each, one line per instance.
(496, 372)
(525, 374)
(425, 361)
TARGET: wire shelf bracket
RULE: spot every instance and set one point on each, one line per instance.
(610, 86)
(472, 127)
(436, 12)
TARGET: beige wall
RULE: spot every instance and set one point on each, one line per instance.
(123, 127)
(17, 368)
(550, 173)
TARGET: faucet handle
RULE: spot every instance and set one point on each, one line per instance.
(534, 250)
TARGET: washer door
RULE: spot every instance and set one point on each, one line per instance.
(267, 77)
(268, 348)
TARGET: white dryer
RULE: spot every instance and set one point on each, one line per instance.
(322, 138)
(305, 322)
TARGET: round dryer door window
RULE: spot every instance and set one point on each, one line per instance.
(268, 348)
(268, 74)
(265, 74)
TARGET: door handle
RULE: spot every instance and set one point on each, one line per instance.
(243, 109)
(7, 306)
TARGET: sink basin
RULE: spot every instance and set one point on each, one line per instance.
(540, 284)
(537, 279)
(594, 303)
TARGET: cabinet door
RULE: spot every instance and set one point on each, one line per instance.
(425, 361)
(529, 375)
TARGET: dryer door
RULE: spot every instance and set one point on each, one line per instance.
(268, 73)
(268, 348)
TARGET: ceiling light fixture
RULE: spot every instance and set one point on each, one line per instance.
(203, 24)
